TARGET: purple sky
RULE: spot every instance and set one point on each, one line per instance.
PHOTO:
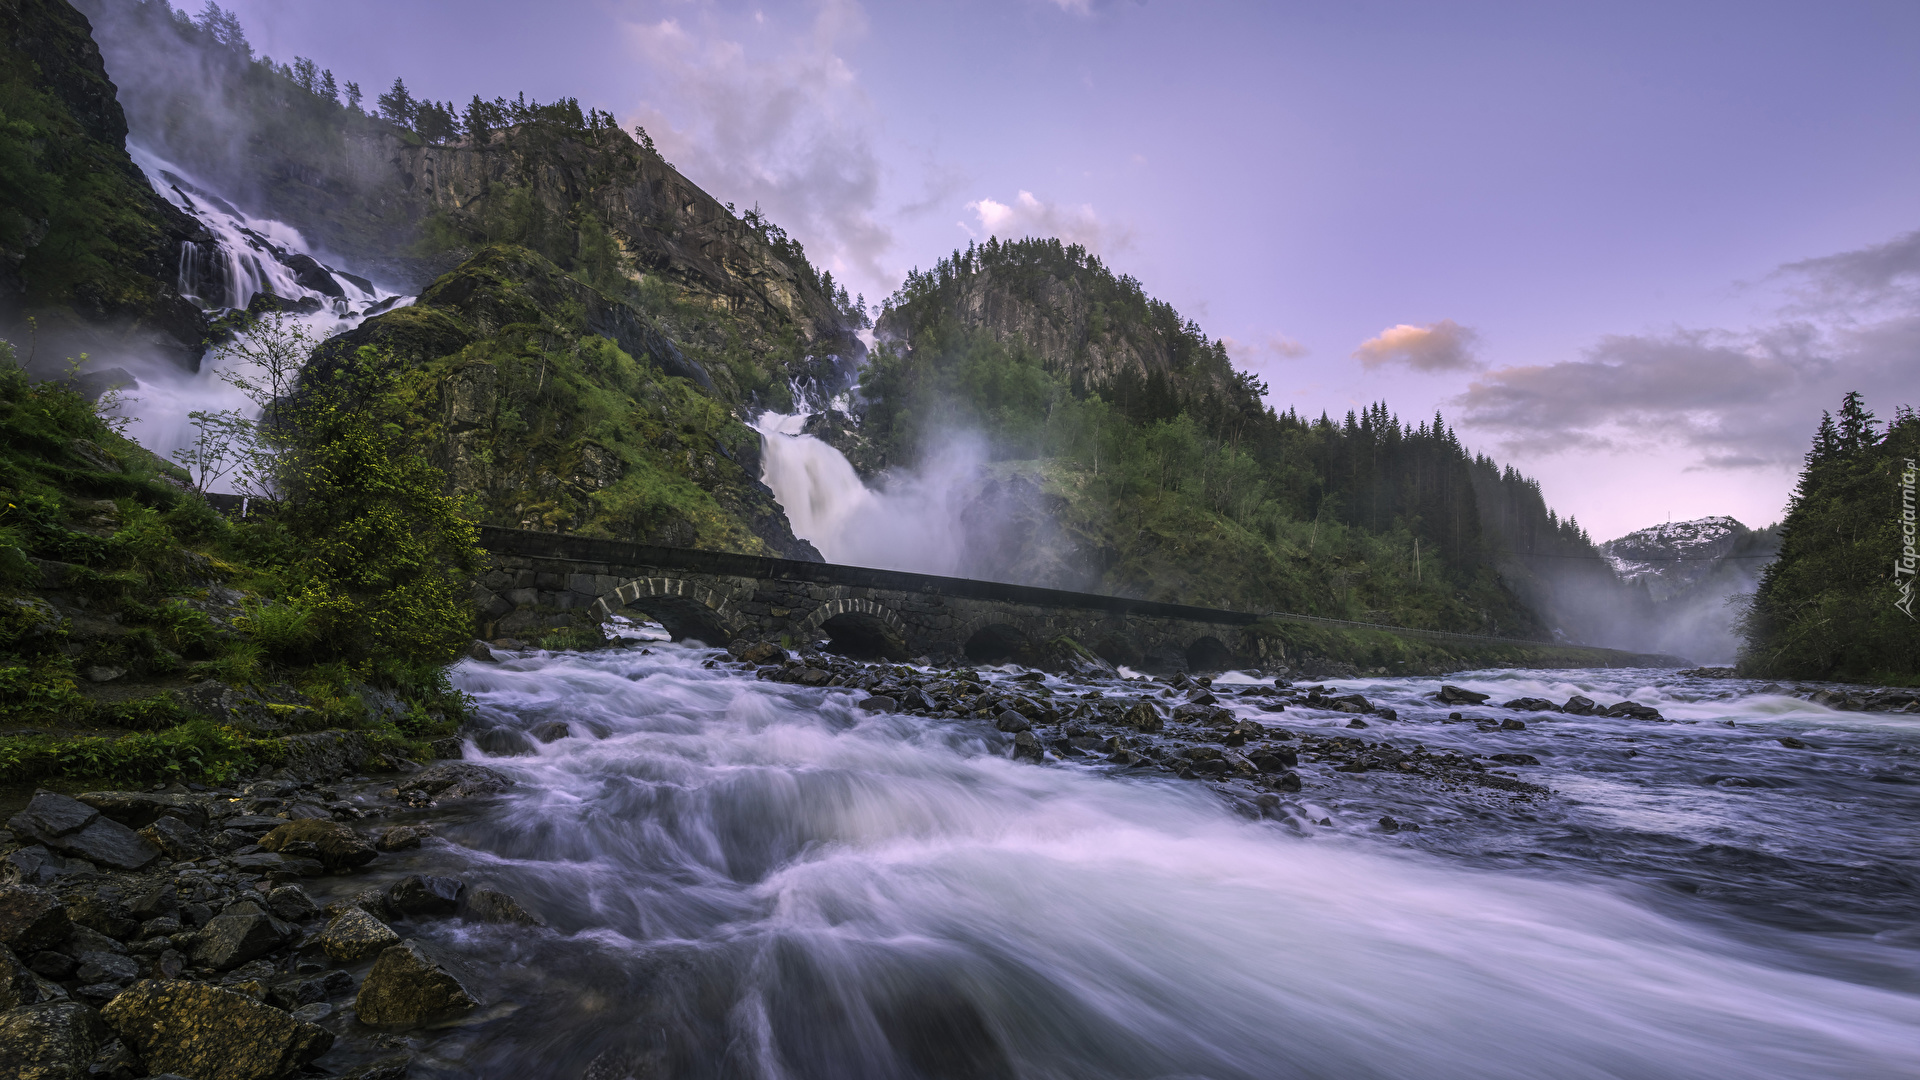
(1632, 248)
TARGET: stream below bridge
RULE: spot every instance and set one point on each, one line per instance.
(747, 878)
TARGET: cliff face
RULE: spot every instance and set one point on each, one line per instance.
(85, 243)
(1060, 305)
(552, 406)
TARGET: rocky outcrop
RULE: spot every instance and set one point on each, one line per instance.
(415, 983)
(212, 1032)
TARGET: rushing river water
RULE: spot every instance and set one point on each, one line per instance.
(752, 879)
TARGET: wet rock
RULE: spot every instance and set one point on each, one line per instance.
(1356, 722)
(337, 847)
(1579, 706)
(104, 912)
(153, 903)
(493, 906)
(290, 903)
(1514, 759)
(423, 894)
(241, 933)
(290, 992)
(1633, 709)
(116, 1061)
(54, 1040)
(1513, 725)
(1454, 695)
(1143, 717)
(757, 652)
(260, 863)
(551, 731)
(1271, 760)
(37, 865)
(1532, 704)
(401, 837)
(253, 826)
(106, 967)
(1791, 743)
(879, 703)
(73, 828)
(415, 983)
(1011, 722)
(1026, 747)
(176, 839)
(813, 677)
(21, 985)
(504, 742)
(139, 809)
(32, 919)
(53, 965)
(1286, 781)
(355, 935)
(457, 780)
(481, 651)
(212, 1033)
(1349, 703)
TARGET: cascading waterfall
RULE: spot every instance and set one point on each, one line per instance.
(247, 257)
(916, 521)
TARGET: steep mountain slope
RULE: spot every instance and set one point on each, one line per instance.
(85, 245)
(1166, 475)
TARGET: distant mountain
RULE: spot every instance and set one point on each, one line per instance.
(1678, 558)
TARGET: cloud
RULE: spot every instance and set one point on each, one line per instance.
(1028, 216)
(1732, 399)
(1260, 350)
(1441, 346)
(788, 127)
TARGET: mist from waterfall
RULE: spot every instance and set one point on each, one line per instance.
(247, 257)
(915, 521)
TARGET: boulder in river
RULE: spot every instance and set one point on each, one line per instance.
(1579, 706)
(337, 847)
(415, 983)
(1143, 717)
(355, 935)
(494, 906)
(1454, 695)
(424, 894)
(1011, 722)
(212, 1033)
(457, 780)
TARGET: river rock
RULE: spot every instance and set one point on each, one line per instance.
(212, 1033)
(163, 899)
(259, 863)
(458, 780)
(1454, 695)
(504, 742)
(32, 919)
(401, 837)
(1350, 703)
(21, 985)
(1579, 706)
(291, 904)
(337, 847)
(423, 894)
(1271, 760)
(1026, 747)
(175, 839)
(139, 809)
(1011, 722)
(36, 865)
(53, 1040)
(1143, 717)
(355, 935)
(1633, 709)
(879, 703)
(1532, 704)
(494, 906)
(757, 652)
(414, 983)
(552, 731)
(241, 933)
(103, 911)
(104, 842)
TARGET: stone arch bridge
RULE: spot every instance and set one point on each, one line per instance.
(540, 582)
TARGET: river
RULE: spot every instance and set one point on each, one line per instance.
(747, 878)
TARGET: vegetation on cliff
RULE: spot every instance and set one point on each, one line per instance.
(1837, 604)
(1172, 477)
(125, 595)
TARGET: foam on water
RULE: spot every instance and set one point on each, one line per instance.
(802, 889)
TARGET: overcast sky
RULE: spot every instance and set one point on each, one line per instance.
(1632, 248)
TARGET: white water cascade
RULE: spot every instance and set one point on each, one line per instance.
(248, 256)
(914, 521)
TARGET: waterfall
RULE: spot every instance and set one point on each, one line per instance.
(918, 521)
(246, 257)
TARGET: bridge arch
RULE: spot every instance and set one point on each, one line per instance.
(687, 609)
(858, 627)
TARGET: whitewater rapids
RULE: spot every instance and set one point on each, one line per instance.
(752, 879)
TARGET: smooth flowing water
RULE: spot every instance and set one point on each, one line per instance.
(752, 879)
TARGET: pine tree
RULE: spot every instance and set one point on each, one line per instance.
(353, 96)
(328, 88)
(396, 105)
